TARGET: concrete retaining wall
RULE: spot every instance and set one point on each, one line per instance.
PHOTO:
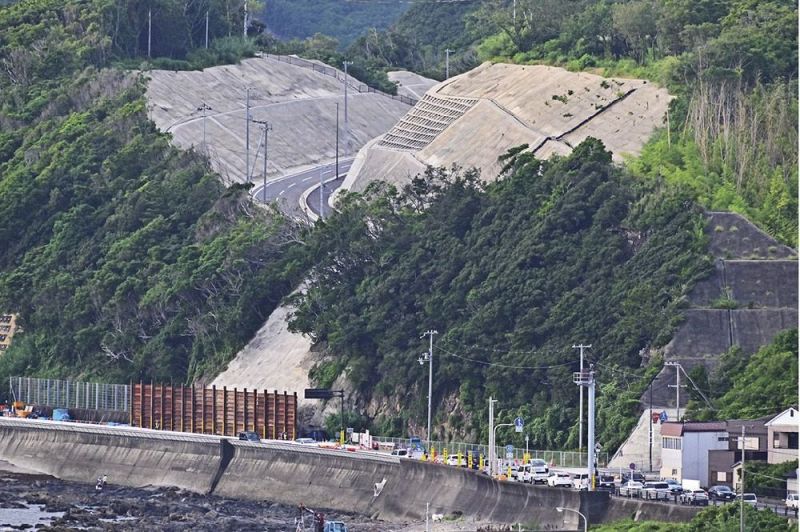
(129, 457)
(295, 474)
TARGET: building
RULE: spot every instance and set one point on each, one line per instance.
(685, 449)
(721, 462)
(782, 436)
(8, 326)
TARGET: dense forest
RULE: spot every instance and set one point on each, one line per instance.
(343, 20)
(128, 259)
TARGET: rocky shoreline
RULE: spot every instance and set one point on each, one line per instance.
(71, 505)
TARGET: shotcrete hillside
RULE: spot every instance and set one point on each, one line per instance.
(299, 103)
(474, 117)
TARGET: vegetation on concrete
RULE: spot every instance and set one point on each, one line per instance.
(749, 388)
(723, 518)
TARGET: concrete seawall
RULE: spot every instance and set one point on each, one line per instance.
(131, 457)
(294, 474)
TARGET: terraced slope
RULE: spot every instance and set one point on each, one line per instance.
(473, 118)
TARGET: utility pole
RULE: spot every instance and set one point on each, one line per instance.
(429, 358)
(244, 30)
(677, 386)
(337, 140)
(346, 123)
(587, 379)
(206, 29)
(266, 127)
(447, 63)
(247, 138)
(491, 436)
(204, 108)
(650, 411)
(741, 491)
(580, 403)
(149, 29)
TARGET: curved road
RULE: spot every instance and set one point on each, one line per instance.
(287, 190)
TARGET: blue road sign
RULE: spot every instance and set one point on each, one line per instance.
(509, 451)
(663, 417)
(518, 424)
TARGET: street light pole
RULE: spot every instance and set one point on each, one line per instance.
(581, 347)
(447, 63)
(429, 358)
(491, 435)
(346, 123)
(585, 521)
(494, 439)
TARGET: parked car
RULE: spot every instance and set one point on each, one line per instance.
(694, 498)
(606, 483)
(721, 493)
(637, 476)
(306, 441)
(630, 488)
(524, 474)
(453, 460)
(749, 498)
(559, 480)
(539, 471)
(674, 486)
(334, 526)
(580, 481)
(655, 491)
(793, 501)
(249, 435)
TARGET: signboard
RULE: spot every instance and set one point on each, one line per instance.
(632, 466)
(509, 451)
(519, 423)
(663, 417)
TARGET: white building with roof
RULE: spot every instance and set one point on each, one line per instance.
(782, 434)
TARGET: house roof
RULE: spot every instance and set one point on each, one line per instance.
(787, 417)
(674, 428)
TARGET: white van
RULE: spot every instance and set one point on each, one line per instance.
(793, 501)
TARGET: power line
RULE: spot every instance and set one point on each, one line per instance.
(496, 364)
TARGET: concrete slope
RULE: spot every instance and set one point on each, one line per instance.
(274, 359)
(411, 84)
(636, 449)
(754, 289)
(299, 102)
(473, 118)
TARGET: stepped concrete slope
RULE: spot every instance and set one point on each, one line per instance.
(751, 296)
(473, 118)
(378, 485)
(298, 101)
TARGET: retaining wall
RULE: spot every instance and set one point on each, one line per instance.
(294, 474)
(129, 457)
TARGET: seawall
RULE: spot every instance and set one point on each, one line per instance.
(293, 474)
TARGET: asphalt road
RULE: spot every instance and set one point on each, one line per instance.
(287, 190)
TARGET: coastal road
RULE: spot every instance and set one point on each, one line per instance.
(287, 190)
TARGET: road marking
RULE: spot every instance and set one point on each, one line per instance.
(308, 179)
(293, 184)
(281, 192)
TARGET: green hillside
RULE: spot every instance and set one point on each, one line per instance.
(127, 259)
(344, 20)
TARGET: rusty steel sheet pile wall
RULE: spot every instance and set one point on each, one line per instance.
(130, 457)
(213, 410)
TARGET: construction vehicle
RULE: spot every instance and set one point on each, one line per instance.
(313, 521)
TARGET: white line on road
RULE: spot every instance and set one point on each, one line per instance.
(281, 192)
(293, 184)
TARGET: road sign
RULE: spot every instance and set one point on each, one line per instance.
(663, 417)
(632, 466)
(519, 423)
(509, 451)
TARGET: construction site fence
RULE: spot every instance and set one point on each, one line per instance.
(554, 458)
(70, 394)
(212, 410)
(338, 74)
